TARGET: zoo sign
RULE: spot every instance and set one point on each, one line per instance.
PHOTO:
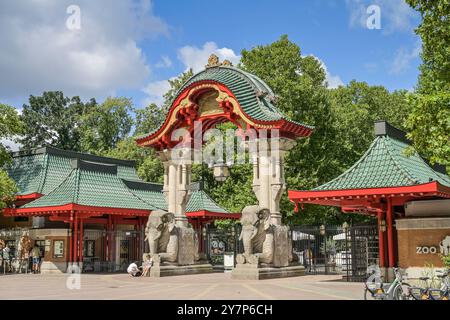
(426, 250)
(444, 248)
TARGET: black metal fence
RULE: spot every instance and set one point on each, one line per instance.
(336, 250)
(320, 249)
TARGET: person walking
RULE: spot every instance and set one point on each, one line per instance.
(36, 255)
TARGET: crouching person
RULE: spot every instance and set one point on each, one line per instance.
(133, 270)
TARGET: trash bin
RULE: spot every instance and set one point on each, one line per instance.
(228, 261)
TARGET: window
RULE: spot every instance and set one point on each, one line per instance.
(58, 248)
(89, 248)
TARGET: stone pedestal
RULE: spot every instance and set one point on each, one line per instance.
(253, 272)
(171, 270)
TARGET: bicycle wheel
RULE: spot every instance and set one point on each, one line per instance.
(368, 295)
(402, 292)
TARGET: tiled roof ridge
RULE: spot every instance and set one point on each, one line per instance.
(387, 143)
(204, 194)
(43, 175)
(51, 150)
(152, 206)
(77, 186)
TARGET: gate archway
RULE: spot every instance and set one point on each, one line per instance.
(223, 93)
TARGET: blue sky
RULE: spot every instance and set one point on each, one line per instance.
(131, 47)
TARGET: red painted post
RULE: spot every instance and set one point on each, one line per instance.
(390, 231)
(71, 240)
(381, 244)
(81, 240)
(75, 240)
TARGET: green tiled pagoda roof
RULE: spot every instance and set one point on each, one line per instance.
(152, 193)
(385, 165)
(65, 177)
(43, 169)
(92, 186)
(253, 94)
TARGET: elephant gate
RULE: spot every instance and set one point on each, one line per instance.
(189, 135)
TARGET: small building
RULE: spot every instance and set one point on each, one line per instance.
(409, 197)
(89, 210)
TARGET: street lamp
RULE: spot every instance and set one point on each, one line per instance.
(322, 230)
(221, 171)
(345, 226)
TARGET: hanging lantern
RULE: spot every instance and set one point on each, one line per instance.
(221, 171)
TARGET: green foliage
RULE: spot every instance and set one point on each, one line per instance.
(10, 126)
(54, 119)
(445, 260)
(434, 32)
(8, 190)
(429, 122)
(148, 119)
(105, 125)
(429, 125)
(355, 108)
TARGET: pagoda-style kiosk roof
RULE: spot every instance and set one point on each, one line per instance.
(384, 171)
(58, 182)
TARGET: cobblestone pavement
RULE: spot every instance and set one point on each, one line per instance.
(196, 287)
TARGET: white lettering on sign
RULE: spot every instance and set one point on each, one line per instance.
(426, 250)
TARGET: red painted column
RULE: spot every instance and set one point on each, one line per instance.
(390, 232)
(75, 240)
(70, 258)
(381, 244)
(81, 240)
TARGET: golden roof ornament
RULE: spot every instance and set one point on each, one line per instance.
(213, 61)
(227, 63)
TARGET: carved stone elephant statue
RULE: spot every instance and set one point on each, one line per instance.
(444, 246)
(162, 236)
(257, 236)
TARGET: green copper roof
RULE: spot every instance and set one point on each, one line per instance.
(90, 185)
(385, 165)
(65, 177)
(253, 94)
(43, 169)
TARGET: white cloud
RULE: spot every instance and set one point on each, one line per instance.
(396, 15)
(403, 58)
(196, 58)
(155, 91)
(40, 53)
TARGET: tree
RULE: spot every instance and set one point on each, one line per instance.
(148, 119)
(10, 126)
(429, 121)
(105, 125)
(53, 119)
(355, 108)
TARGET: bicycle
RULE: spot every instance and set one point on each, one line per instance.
(387, 291)
(429, 293)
